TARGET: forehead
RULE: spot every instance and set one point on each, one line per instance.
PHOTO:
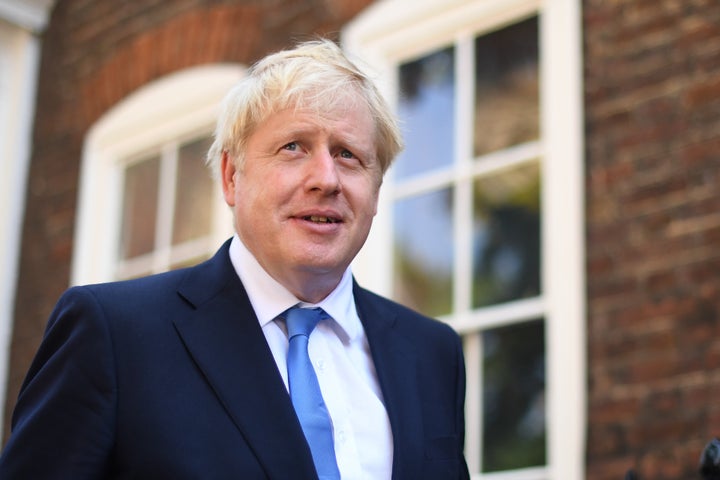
(351, 120)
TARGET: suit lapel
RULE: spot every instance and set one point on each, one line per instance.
(224, 338)
(222, 334)
(395, 362)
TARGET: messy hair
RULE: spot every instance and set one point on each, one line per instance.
(313, 75)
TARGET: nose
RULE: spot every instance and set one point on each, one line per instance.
(322, 174)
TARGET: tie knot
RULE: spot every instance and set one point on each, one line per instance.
(302, 321)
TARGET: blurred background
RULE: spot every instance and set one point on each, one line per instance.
(558, 200)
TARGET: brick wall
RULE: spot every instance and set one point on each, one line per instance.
(95, 53)
(652, 90)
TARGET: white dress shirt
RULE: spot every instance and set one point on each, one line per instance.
(340, 354)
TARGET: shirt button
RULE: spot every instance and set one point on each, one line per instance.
(320, 366)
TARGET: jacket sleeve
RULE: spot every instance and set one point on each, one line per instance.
(64, 421)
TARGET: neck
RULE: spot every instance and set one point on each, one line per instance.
(311, 288)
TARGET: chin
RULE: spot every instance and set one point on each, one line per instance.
(322, 262)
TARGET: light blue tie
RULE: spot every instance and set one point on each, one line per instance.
(305, 391)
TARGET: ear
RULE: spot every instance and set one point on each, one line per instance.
(227, 174)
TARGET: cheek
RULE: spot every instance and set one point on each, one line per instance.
(374, 195)
(261, 196)
(366, 203)
(375, 203)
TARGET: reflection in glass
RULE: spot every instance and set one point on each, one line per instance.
(506, 87)
(193, 193)
(140, 201)
(427, 113)
(514, 397)
(506, 235)
(424, 252)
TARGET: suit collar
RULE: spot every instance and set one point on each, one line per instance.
(270, 299)
(224, 338)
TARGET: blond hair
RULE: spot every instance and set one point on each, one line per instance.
(314, 74)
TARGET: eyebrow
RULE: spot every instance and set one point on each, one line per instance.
(350, 141)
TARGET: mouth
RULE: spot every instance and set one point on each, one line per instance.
(320, 219)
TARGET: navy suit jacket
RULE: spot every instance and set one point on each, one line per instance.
(170, 377)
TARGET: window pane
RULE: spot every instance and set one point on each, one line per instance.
(189, 262)
(514, 397)
(424, 252)
(193, 197)
(427, 113)
(506, 87)
(506, 235)
(140, 197)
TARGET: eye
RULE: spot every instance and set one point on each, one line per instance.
(346, 154)
(292, 146)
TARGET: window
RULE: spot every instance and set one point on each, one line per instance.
(167, 209)
(147, 201)
(494, 202)
(480, 222)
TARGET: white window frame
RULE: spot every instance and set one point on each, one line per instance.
(179, 106)
(165, 253)
(390, 31)
(20, 23)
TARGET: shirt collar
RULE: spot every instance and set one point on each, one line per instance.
(269, 298)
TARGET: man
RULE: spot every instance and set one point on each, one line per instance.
(186, 375)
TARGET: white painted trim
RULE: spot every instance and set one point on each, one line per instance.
(473, 347)
(395, 30)
(563, 239)
(500, 315)
(31, 15)
(484, 165)
(537, 473)
(19, 63)
(173, 107)
(166, 206)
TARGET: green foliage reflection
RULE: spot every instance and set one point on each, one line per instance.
(514, 397)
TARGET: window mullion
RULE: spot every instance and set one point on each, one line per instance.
(166, 207)
(462, 223)
(463, 213)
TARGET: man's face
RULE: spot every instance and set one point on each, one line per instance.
(306, 194)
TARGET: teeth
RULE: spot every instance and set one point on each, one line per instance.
(317, 219)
